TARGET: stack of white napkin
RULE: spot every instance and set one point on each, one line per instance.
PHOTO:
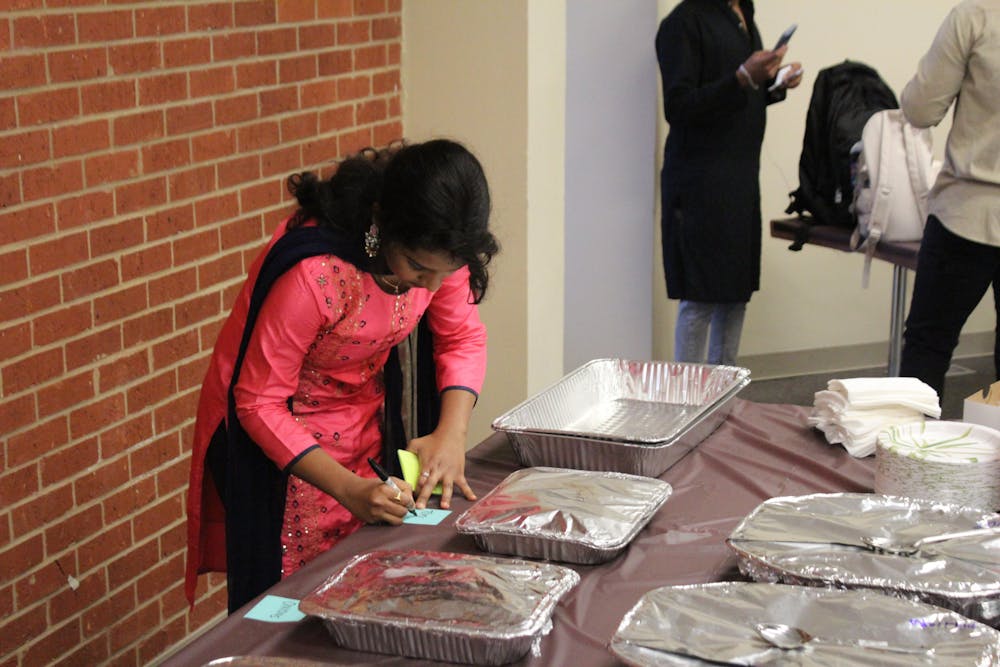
(852, 412)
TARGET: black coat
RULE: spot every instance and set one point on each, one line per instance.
(711, 220)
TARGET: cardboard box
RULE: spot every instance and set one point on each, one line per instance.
(983, 407)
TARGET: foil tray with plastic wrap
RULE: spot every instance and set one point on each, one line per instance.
(635, 417)
(573, 516)
(440, 606)
(717, 624)
(820, 540)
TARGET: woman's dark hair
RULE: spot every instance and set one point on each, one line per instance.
(429, 196)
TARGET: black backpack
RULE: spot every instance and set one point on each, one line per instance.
(843, 99)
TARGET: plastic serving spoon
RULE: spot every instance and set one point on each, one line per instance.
(790, 638)
(885, 544)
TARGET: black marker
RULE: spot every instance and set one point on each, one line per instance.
(411, 507)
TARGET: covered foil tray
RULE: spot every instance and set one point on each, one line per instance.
(688, 625)
(440, 606)
(816, 540)
(573, 516)
(637, 417)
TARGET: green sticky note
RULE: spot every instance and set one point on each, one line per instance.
(427, 517)
(410, 464)
(275, 609)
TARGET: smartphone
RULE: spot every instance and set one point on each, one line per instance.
(785, 36)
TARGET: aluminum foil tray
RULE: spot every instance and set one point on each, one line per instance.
(688, 625)
(573, 516)
(816, 540)
(440, 606)
(625, 416)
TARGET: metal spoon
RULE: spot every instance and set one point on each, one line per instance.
(887, 545)
(790, 638)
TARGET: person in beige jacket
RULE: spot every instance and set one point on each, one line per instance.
(960, 253)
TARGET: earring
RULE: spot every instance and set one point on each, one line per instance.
(371, 241)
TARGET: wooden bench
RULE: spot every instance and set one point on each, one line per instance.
(902, 256)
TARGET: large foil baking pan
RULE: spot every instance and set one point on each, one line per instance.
(637, 417)
(574, 516)
(440, 606)
(686, 625)
(816, 540)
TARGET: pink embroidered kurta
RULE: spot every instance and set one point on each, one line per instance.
(322, 338)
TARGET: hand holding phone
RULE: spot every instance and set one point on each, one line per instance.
(785, 36)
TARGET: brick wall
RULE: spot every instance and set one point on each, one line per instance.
(143, 152)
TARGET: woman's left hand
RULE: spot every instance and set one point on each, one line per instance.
(442, 460)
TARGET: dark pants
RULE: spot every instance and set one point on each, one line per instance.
(952, 276)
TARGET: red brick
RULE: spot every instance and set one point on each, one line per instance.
(94, 347)
(138, 128)
(67, 602)
(191, 374)
(322, 93)
(41, 583)
(84, 209)
(236, 109)
(189, 118)
(116, 237)
(61, 325)
(163, 88)
(51, 180)
(256, 74)
(213, 145)
(296, 69)
(105, 26)
(273, 42)
(25, 148)
(10, 189)
(98, 618)
(370, 57)
(29, 299)
(92, 652)
(148, 326)
(169, 222)
(165, 155)
(182, 346)
(22, 71)
(52, 644)
(83, 138)
(15, 340)
(261, 196)
(254, 13)
(216, 81)
(109, 96)
(191, 183)
(32, 444)
(317, 36)
(278, 100)
(299, 127)
(48, 106)
(372, 111)
(281, 162)
(172, 287)
(23, 628)
(65, 66)
(385, 82)
(220, 270)
(187, 52)
(353, 32)
(120, 506)
(363, 7)
(395, 53)
(335, 9)
(231, 46)
(175, 413)
(111, 167)
(134, 57)
(90, 418)
(322, 150)
(20, 412)
(128, 631)
(257, 136)
(139, 196)
(123, 370)
(194, 247)
(43, 509)
(217, 208)
(351, 142)
(336, 119)
(210, 16)
(44, 31)
(118, 438)
(195, 310)
(149, 392)
(159, 21)
(77, 527)
(85, 280)
(240, 170)
(296, 11)
(145, 459)
(8, 108)
(145, 261)
(65, 394)
(335, 63)
(17, 485)
(96, 483)
(32, 371)
(165, 635)
(352, 88)
(6, 599)
(387, 28)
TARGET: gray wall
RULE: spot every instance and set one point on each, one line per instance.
(611, 147)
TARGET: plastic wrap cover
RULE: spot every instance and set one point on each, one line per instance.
(440, 606)
(816, 540)
(684, 625)
(566, 515)
(625, 416)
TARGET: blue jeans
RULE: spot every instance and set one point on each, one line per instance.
(693, 321)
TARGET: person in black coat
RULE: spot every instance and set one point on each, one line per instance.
(716, 79)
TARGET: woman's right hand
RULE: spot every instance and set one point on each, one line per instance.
(373, 501)
(763, 65)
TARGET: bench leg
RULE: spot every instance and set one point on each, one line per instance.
(897, 319)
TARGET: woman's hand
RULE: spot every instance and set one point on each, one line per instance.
(372, 501)
(442, 460)
(762, 65)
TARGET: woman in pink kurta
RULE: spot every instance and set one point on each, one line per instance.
(310, 392)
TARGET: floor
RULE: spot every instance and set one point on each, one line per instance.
(967, 376)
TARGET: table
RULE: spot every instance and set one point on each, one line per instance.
(901, 254)
(760, 451)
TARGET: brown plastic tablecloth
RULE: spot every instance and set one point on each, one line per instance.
(760, 451)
